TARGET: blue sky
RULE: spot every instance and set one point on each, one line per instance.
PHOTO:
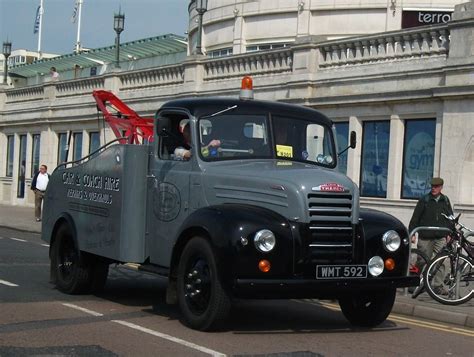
(143, 18)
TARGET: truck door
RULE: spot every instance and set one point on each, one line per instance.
(168, 187)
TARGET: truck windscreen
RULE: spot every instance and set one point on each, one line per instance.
(234, 136)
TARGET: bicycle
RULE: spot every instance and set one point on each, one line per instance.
(454, 267)
(418, 263)
(418, 266)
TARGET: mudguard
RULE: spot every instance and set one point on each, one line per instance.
(373, 225)
(64, 217)
(231, 229)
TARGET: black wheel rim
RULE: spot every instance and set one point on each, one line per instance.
(197, 284)
(67, 259)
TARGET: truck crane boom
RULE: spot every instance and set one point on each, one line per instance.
(127, 125)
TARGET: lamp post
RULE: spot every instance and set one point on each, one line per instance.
(119, 20)
(7, 50)
(201, 8)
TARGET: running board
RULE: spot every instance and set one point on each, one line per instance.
(148, 268)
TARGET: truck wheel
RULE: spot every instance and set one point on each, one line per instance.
(99, 274)
(69, 269)
(368, 309)
(202, 299)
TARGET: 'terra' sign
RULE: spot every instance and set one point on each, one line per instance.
(422, 18)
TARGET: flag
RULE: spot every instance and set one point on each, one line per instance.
(74, 12)
(37, 19)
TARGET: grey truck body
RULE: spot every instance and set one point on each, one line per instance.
(137, 203)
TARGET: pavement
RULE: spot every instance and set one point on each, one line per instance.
(22, 218)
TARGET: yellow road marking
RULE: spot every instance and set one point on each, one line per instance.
(406, 320)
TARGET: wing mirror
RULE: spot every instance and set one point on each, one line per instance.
(352, 143)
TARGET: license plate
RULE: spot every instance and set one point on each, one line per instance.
(341, 271)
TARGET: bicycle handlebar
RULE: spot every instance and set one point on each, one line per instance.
(429, 228)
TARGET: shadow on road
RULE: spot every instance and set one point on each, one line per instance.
(131, 288)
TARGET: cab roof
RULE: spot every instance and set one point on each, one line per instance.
(207, 106)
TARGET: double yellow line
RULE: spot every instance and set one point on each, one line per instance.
(405, 320)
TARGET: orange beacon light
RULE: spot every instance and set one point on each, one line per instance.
(246, 89)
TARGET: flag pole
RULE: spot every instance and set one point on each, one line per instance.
(40, 54)
(78, 40)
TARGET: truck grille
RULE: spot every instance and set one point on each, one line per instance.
(330, 228)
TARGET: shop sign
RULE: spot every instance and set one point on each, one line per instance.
(423, 18)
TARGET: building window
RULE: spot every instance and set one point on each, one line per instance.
(62, 148)
(375, 143)
(94, 141)
(418, 157)
(342, 137)
(77, 152)
(20, 193)
(221, 53)
(10, 151)
(35, 154)
(266, 46)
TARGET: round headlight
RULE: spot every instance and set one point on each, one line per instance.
(264, 240)
(391, 241)
(375, 266)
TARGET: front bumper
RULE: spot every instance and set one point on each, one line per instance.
(311, 288)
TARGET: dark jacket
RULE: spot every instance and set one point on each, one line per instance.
(428, 212)
(33, 182)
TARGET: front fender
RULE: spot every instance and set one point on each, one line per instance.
(373, 225)
(231, 229)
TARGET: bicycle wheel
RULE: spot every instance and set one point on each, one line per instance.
(418, 262)
(448, 281)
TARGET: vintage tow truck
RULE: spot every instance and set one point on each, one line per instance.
(256, 210)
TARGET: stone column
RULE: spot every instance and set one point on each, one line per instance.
(395, 158)
(3, 97)
(194, 72)
(239, 23)
(461, 45)
(304, 18)
(112, 81)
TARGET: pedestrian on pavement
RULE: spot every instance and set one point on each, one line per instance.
(428, 212)
(39, 185)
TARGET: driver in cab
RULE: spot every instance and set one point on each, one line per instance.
(184, 152)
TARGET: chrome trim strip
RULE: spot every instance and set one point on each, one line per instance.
(331, 245)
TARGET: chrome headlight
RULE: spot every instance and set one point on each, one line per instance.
(391, 241)
(375, 266)
(264, 240)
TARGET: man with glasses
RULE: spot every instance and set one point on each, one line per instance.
(39, 185)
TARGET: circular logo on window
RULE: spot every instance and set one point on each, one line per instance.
(166, 202)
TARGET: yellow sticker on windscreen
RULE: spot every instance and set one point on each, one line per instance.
(284, 151)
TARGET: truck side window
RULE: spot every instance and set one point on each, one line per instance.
(175, 142)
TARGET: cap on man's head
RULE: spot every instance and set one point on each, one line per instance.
(437, 181)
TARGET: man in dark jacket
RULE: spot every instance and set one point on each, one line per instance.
(428, 212)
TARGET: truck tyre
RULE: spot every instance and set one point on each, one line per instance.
(202, 299)
(368, 309)
(99, 274)
(69, 269)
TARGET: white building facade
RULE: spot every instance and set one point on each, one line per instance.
(240, 26)
(408, 93)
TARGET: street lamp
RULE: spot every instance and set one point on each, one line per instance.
(201, 8)
(119, 20)
(7, 51)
